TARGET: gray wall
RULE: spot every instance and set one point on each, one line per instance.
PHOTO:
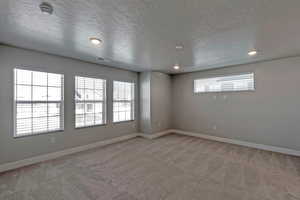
(155, 102)
(161, 91)
(145, 102)
(270, 115)
(15, 149)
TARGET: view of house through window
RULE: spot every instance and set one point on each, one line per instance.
(123, 101)
(90, 100)
(38, 101)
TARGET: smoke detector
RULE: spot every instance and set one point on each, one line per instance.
(46, 8)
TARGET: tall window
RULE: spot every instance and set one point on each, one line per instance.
(38, 102)
(90, 100)
(242, 82)
(123, 101)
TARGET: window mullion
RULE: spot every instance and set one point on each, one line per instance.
(47, 105)
(94, 102)
(84, 104)
(16, 99)
(31, 87)
(104, 102)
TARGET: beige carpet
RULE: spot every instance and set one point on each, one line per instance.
(168, 168)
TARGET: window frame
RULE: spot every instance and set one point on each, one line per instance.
(222, 76)
(15, 102)
(132, 102)
(104, 102)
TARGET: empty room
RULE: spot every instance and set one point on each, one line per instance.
(149, 100)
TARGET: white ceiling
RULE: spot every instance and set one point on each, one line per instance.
(141, 35)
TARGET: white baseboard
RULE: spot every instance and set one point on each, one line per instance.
(50, 156)
(156, 135)
(242, 143)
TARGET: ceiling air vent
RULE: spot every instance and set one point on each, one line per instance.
(46, 8)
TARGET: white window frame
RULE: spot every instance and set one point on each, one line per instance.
(132, 102)
(104, 102)
(32, 102)
(232, 76)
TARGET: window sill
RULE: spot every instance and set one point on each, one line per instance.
(91, 126)
(39, 133)
(224, 92)
(127, 121)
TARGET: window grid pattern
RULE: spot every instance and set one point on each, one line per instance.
(90, 102)
(123, 101)
(38, 102)
(242, 82)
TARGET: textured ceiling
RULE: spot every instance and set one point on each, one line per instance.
(141, 35)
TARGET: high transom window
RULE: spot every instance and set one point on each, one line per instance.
(241, 82)
(38, 102)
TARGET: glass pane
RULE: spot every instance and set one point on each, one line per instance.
(89, 108)
(79, 94)
(115, 90)
(54, 94)
(24, 110)
(39, 124)
(98, 107)
(23, 76)
(53, 109)
(99, 95)
(241, 82)
(39, 78)
(53, 123)
(115, 106)
(122, 116)
(39, 110)
(79, 82)
(79, 108)
(54, 80)
(79, 120)
(89, 94)
(115, 117)
(89, 83)
(121, 95)
(128, 91)
(89, 119)
(99, 84)
(23, 93)
(39, 93)
(98, 119)
(23, 126)
(128, 115)
(124, 106)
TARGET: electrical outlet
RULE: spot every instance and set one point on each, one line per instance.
(215, 127)
(52, 140)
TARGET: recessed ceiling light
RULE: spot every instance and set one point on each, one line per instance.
(46, 8)
(95, 41)
(176, 67)
(252, 53)
(179, 47)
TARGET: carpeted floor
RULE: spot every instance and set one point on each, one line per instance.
(169, 168)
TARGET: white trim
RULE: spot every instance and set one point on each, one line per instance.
(50, 156)
(156, 135)
(242, 143)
